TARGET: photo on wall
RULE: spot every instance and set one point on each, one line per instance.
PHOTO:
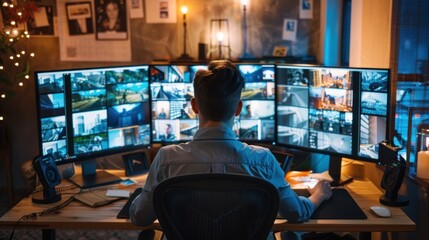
(111, 19)
(79, 18)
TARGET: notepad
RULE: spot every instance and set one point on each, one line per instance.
(95, 198)
(118, 193)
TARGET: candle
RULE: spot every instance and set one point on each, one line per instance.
(423, 164)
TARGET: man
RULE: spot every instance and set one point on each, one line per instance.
(216, 149)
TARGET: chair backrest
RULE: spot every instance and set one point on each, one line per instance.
(216, 206)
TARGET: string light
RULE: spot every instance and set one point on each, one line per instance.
(15, 67)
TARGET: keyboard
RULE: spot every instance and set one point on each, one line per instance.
(125, 211)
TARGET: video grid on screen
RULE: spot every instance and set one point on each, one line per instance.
(109, 109)
(373, 112)
(314, 108)
(256, 121)
(51, 104)
(171, 89)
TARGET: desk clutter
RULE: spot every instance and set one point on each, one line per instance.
(101, 197)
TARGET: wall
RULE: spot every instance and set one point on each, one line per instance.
(370, 33)
(162, 41)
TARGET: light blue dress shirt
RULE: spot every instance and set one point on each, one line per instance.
(217, 150)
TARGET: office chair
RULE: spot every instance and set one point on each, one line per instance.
(216, 206)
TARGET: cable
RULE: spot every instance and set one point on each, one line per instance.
(57, 189)
(45, 212)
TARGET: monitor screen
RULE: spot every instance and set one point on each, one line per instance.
(340, 111)
(174, 121)
(171, 91)
(93, 112)
(373, 110)
(257, 119)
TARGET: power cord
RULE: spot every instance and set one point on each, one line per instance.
(45, 212)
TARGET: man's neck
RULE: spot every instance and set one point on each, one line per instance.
(203, 124)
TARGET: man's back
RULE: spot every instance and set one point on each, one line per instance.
(216, 150)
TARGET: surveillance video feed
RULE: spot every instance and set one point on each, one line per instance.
(315, 108)
(171, 89)
(50, 82)
(109, 109)
(257, 119)
(374, 111)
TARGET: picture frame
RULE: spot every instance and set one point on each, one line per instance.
(135, 163)
(280, 51)
(111, 20)
(79, 18)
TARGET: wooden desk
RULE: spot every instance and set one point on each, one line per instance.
(79, 216)
(365, 194)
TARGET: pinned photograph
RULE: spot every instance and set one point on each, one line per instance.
(111, 18)
(136, 9)
(79, 18)
(161, 11)
(306, 9)
(290, 27)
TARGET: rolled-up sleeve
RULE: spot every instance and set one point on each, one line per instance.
(142, 212)
(292, 207)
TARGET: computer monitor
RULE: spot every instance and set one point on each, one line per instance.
(88, 113)
(256, 123)
(341, 112)
(374, 111)
(173, 119)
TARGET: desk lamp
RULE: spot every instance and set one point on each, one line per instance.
(246, 54)
(184, 56)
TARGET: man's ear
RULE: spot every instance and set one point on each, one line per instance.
(239, 108)
(194, 105)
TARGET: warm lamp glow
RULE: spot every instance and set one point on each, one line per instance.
(244, 2)
(220, 36)
(3, 95)
(21, 84)
(184, 9)
(1, 118)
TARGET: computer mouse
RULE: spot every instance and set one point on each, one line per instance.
(380, 211)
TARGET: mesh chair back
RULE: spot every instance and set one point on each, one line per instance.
(216, 207)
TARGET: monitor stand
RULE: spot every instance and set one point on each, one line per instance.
(90, 177)
(335, 172)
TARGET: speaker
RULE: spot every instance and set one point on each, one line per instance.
(393, 176)
(49, 177)
(202, 51)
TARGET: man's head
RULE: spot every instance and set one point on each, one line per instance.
(218, 91)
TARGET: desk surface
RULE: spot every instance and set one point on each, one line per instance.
(78, 216)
